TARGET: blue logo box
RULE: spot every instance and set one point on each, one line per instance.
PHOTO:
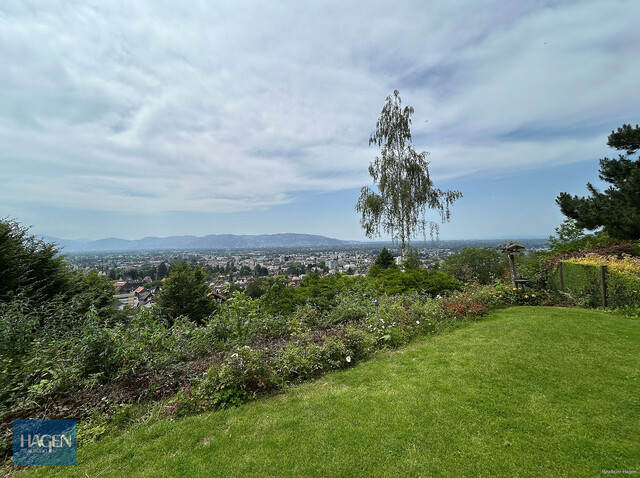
(45, 442)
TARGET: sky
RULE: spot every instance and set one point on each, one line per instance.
(158, 118)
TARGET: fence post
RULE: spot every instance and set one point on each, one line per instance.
(603, 285)
(561, 277)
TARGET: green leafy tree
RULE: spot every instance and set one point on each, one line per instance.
(405, 190)
(185, 293)
(162, 271)
(260, 271)
(567, 232)
(95, 292)
(385, 259)
(254, 288)
(296, 269)
(412, 259)
(278, 298)
(617, 209)
(473, 264)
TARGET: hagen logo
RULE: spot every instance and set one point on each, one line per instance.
(45, 442)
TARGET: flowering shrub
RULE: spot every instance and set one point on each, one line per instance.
(470, 304)
(626, 265)
(506, 294)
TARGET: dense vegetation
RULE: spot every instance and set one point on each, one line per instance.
(65, 351)
(617, 209)
(526, 392)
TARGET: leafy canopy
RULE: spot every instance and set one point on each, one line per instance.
(617, 209)
(473, 264)
(184, 293)
(385, 259)
(405, 190)
(412, 259)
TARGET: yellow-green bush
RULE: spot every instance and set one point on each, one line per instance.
(582, 279)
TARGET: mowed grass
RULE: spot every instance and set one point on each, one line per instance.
(529, 391)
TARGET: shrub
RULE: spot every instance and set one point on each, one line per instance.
(507, 295)
(472, 264)
(394, 281)
(465, 305)
(185, 293)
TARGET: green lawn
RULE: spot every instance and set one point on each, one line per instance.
(526, 392)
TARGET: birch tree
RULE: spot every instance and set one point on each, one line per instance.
(404, 189)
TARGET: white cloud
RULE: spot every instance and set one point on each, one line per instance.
(155, 106)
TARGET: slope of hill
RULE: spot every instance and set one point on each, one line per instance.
(212, 241)
(528, 391)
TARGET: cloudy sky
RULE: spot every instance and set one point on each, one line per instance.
(154, 118)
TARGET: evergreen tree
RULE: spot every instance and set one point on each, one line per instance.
(617, 209)
(32, 266)
(385, 259)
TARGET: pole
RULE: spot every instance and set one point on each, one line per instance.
(561, 277)
(512, 265)
(603, 285)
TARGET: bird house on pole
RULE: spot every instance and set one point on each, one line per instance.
(511, 249)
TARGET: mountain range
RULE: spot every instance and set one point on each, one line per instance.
(212, 241)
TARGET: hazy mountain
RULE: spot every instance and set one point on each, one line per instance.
(213, 241)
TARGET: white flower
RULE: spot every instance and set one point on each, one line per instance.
(349, 359)
(417, 322)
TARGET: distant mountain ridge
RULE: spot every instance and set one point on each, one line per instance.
(211, 241)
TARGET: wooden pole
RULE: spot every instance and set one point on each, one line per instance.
(561, 277)
(603, 285)
(512, 265)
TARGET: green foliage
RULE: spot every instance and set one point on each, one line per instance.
(582, 286)
(162, 271)
(296, 269)
(511, 396)
(30, 265)
(254, 288)
(405, 190)
(506, 295)
(394, 281)
(616, 209)
(596, 243)
(385, 259)
(472, 264)
(536, 267)
(278, 298)
(622, 290)
(411, 259)
(567, 232)
(185, 293)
